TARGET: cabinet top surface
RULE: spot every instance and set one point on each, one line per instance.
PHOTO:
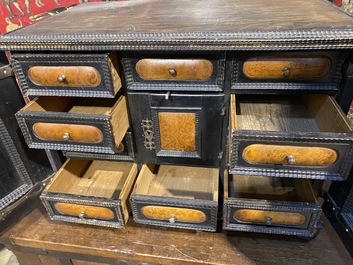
(189, 25)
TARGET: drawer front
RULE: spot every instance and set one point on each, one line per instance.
(168, 72)
(302, 157)
(77, 132)
(77, 75)
(176, 213)
(289, 218)
(180, 129)
(92, 211)
(287, 71)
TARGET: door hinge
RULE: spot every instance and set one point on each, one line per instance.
(6, 71)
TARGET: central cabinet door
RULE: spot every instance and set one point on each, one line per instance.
(177, 128)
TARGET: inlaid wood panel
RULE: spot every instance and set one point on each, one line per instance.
(64, 76)
(269, 217)
(84, 211)
(67, 132)
(173, 213)
(174, 69)
(286, 67)
(293, 155)
(177, 131)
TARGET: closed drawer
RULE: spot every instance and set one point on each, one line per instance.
(182, 72)
(287, 71)
(270, 205)
(74, 124)
(91, 192)
(304, 136)
(176, 196)
(74, 75)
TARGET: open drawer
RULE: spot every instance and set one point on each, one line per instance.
(176, 196)
(74, 124)
(270, 205)
(304, 136)
(91, 192)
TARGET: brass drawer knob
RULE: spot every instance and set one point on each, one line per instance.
(286, 72)
(172, 71)
(66, 136)
(61, 78)
(172, 219)
(290, 160)
(268, 220)
(81, 214)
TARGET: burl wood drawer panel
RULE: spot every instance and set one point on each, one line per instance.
(305, 136)
(174, 71)
(75, 124)
(176, 196)
(179, 129)
(287, 71)
(270, 205)
(124, 152)
(91, 192)
(68, 74)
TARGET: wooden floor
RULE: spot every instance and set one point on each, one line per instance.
(38, 240)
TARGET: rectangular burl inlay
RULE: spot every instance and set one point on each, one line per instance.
(177, 131)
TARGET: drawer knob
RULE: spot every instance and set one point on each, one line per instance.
(61, 78)
(268, 220)
(172, 219)
(82, 214)
(286, 72)
(290, 160)
(172, 71)
(66, 136)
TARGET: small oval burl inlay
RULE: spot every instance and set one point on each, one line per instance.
(173, 214)
(174, 69)
(286, 67)
(289, 155)
(64, 76)
(84, 211)
(67, 132)
(269, 217)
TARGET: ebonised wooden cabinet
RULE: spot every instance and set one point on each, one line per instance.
(245, 92)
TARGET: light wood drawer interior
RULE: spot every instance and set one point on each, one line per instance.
(179, 182)
(292, 113)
